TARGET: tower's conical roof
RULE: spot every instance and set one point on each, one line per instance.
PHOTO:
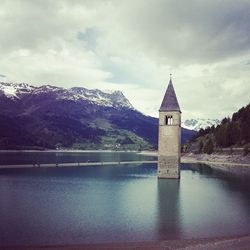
(170, 102)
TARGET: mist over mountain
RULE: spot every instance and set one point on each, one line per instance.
(54, 117)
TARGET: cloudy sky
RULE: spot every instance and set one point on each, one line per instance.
(133, 45)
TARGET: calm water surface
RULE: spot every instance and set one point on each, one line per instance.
(13, 158)
(119, 203)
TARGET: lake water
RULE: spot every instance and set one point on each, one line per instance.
(117, 203)
(13, 158)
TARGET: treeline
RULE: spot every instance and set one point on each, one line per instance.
(232, 131)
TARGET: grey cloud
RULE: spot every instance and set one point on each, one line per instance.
(175, 32)
(38, 24)
(89, 37)
(3, 76)
(191, 31)
(205, 44)
(24, 22)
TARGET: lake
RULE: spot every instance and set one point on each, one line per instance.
(116, 203)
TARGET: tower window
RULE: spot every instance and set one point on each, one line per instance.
(169, 120)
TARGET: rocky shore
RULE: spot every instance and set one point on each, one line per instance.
(234, 159)
(229, 243)
(228, 159)
(236, 164)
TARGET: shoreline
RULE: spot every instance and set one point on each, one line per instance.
(230, 242)
(232, 163)
(213, 159)
(220, 161)
(186, 159)
(65, 151)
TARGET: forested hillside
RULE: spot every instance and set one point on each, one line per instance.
(234, 131)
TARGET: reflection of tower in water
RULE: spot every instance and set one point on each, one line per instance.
(168, 209)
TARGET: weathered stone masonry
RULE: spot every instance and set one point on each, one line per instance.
(169, 145)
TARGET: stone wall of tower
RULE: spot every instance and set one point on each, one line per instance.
(169, 146)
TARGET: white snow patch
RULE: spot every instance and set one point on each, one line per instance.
(197, 124)
(9, 91)
(109, 91)
(109, 98)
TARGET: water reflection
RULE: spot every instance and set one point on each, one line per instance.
(169, 212)
(215, 202)
(236, 178)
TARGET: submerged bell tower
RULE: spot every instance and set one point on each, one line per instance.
(169, 143)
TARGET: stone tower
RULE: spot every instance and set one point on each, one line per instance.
(169, 144)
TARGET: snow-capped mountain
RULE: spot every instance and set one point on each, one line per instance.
(109, 99)
(14, 90)
(53, 117)
(197, 124)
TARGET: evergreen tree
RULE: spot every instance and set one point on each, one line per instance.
(200, 150)
(209, 147)
(225, 120)
(235, 133)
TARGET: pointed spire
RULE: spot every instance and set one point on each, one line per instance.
(170, 102)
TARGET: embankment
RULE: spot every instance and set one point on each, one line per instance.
(234, 163)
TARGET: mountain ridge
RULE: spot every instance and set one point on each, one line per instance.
(199, 123)
(116, 97)
(53, 117)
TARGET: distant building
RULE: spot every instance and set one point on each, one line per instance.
(169, 144)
